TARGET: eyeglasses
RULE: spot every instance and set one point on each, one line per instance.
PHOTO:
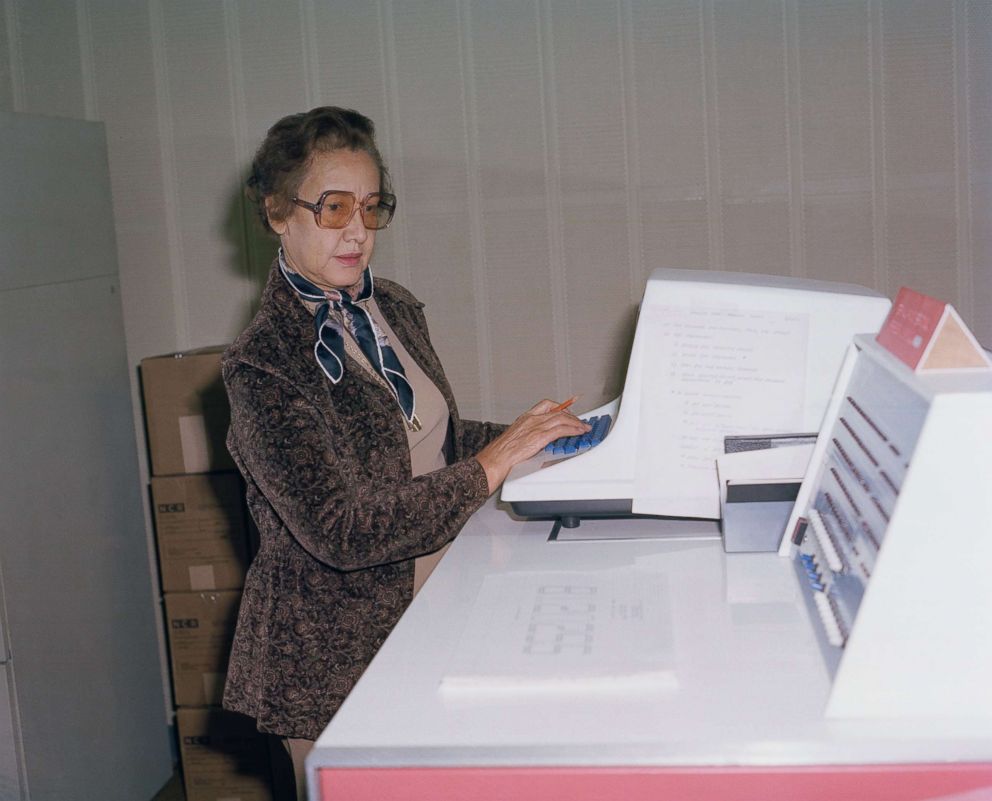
(335, 209)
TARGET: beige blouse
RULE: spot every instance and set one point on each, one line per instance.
(426, 445)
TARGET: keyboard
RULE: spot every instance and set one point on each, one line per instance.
(569, 445)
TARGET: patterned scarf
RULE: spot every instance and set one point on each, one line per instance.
(329, 347)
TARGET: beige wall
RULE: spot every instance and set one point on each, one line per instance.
(547, 155)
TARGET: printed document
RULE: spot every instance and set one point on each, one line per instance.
(711, 372)
(566, 631)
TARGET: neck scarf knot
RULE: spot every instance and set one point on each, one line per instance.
(329, 346)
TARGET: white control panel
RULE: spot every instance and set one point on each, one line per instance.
(890, 537)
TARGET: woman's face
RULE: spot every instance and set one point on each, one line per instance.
(331, 258)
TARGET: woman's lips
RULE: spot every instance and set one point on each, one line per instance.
(350, 259)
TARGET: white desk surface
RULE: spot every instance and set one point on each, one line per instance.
(749, 683)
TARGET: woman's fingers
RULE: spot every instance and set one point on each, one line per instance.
(537, 430)
(541, 407)
(528, 435)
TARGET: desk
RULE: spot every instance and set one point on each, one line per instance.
(741, 718)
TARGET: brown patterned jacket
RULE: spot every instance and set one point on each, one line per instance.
(341, 520)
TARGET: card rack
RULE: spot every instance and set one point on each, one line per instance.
(891, 538)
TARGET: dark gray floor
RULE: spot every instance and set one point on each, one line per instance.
(173, 790)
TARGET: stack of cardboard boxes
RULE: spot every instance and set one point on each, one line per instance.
(204, 546)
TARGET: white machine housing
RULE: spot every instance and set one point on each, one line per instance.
(601, 481)
(902, 478)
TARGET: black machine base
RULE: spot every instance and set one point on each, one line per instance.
(571, 512)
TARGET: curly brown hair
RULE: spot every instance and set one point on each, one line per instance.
(281, 161)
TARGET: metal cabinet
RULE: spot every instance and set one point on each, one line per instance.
(81, 708)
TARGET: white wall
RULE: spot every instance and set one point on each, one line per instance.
(547, 155)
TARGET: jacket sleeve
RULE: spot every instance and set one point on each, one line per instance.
(475, 435)
(278, 440)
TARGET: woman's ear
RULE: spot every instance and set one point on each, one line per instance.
(276, 224)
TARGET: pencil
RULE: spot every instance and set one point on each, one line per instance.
(564, 404)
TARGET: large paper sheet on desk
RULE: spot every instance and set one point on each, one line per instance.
(711, 372)
(570, 632)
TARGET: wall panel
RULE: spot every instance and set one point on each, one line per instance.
(835, 140)
(351, 55)
(126, 101)
(919, 147)
(432, 145)
(756, 236)
(590, 129)
(753, 161)
(273, 46)
(977, 125)
(750, 98)
(49, 49)
(669, 165)
(838, 236)
(7, 62)
(215, 294)
(513, 207)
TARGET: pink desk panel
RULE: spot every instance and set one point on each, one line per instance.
(933, 782)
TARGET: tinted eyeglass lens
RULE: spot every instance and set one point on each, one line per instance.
(337, 209)
(378, 211)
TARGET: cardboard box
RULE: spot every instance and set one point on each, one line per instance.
(224, 758)
(186, 412)
(200, 627)
(201, 529)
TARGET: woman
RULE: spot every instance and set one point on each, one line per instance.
(345, 429)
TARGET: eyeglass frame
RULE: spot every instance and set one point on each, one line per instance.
(317, 207)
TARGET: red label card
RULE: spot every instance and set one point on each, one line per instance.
(911, 325)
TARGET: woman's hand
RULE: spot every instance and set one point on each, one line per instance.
(528, 435)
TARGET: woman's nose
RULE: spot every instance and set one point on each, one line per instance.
(355, 230)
